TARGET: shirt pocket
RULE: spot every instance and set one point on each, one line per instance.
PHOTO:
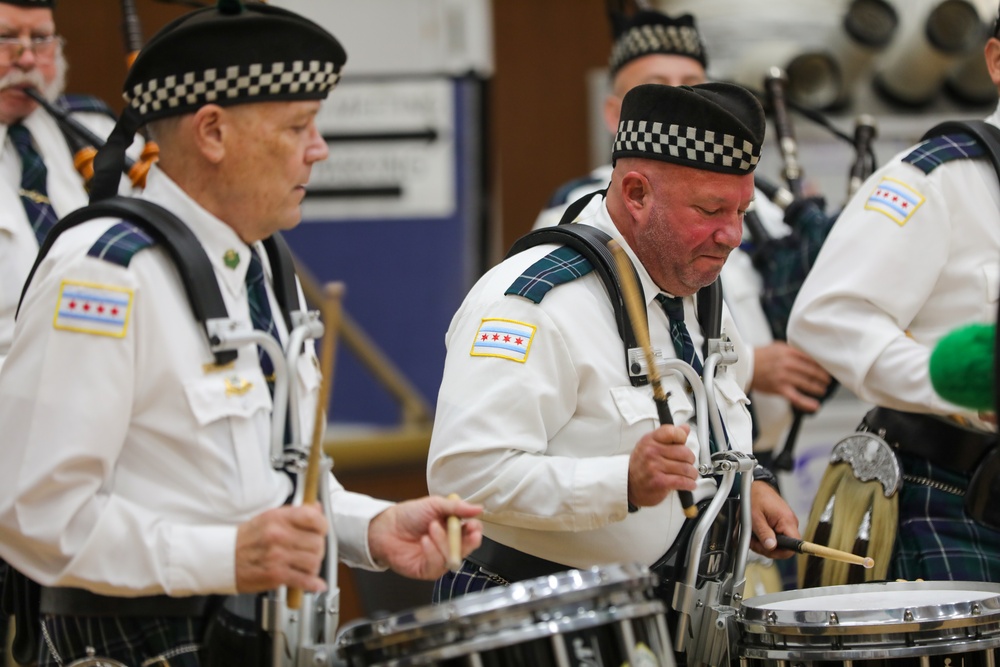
(308, 371)
(638, 414)
(233, 414)
(735, 408)
(307, 383)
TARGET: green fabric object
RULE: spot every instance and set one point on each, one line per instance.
(961, 366)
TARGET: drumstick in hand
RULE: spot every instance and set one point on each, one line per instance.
(637, 314)
(803, 547)
(454, 539)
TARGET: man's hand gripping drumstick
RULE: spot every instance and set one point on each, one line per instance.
(637, 314)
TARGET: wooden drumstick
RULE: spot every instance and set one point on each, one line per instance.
(333, 294)
(454, 538)
(637, 314)
(803, 547)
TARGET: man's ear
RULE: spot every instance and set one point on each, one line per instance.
(210, 125)
(992, 54)
(636, 195)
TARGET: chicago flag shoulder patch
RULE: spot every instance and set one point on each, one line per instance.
(895, 200)
(94, 309)
(506, 339)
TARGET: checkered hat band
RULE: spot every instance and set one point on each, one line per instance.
(686, 143)
(646, 39)
(233, 84)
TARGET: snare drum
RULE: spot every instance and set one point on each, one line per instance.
(940, 623)
(601, 616)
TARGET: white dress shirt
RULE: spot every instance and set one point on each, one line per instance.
(886, 288)
(130, 459)
(18, 245)
(544, 445)
(742, 287)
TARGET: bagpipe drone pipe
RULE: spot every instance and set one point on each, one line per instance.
(784, 262)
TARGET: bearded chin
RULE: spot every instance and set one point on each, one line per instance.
(52, 90)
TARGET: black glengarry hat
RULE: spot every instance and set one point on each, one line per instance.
(713, 126)
(648, 32)
(228, 54)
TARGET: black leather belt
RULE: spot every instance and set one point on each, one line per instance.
(942, 443)
(511, 564)
(78, 602)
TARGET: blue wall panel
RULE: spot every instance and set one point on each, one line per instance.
(404, 278)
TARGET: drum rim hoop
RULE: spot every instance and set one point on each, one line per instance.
(756, 617)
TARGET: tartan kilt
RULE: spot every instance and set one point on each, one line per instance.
(134, 641)
(935, 539)
(468, 579)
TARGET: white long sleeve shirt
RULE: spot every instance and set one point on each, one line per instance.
(18, 245)
(543, 441)
(892, 280)
(742, 287)
(129, 458)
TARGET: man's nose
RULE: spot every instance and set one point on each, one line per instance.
(730, 234)
(318, 149)
(25, 58)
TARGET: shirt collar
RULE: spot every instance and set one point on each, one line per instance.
(219, 240)
(596, 214)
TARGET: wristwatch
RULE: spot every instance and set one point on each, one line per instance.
(762, 474)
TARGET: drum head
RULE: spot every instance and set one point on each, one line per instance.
(872, 621)
(524, 611)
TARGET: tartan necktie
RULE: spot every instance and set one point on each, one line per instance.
(260, 310)
(33, 191)
(679, 334)
(683, 345)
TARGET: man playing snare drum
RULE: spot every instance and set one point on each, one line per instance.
(538, 418)
(137, 479)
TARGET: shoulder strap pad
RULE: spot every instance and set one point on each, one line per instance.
(560, 266)
(163, 227)
(120, 243)
(710, 313)
(592, 245)
(85, 103)
(952, 140)
(279, 255)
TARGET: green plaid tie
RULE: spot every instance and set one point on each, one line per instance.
(679, 334)
(683, 345)
(260, 310)
(33, 191)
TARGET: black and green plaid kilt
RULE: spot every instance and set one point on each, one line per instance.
(135, 641)
(936, 540)
(469, 579)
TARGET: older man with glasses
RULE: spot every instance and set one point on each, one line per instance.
(38, 182)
